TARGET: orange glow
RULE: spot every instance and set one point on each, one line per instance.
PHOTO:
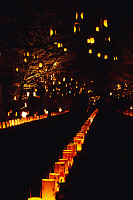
(72, 147)
(40, 64)
(76, 15)
(60, 109)
(90, 51)
(34, 198)
(74, 28)
(48, 189)
(60, 169)
(51, 32)
(98, 55)
(92, 40)
(68, 154)
(82, 17)
(57, 179)
(24, 114)
(97, 28)
(105, 57)
(66, 164)
(105, 23)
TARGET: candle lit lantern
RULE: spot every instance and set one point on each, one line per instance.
(90, 51)
(105, 57)
(59, 168)
(97, 28)
(105, 23)
(66, 164)
(72, 147)
(57, 179)
(48, 189)
(81, 136)
(78, 142)
(81, 15)
(68, 154)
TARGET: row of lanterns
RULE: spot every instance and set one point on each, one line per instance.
(51, 185)
(25, 119)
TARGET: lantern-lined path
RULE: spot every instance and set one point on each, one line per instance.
(103, 169)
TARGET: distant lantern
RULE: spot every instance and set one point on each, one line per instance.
(28, 94)
(90, 51)
(66, 164)
(64, 79)
(68, 154)
(92, 40)
(48, 189)
(28, 54)
(109, 39)
(72, 147)
(65, 49)
(51, 32)
(57, 179)
(105, 23)
(25, 59)
(88, 40)
(78, 142)
(34, 94)
(79, 28)
(40, 64)
(17, 69)
(105, 57)
(98, 55)
(76, 15)
(97, 28)
(82, 15)
(74, 29)
(59, 168)
(15, 98)
(58, 45)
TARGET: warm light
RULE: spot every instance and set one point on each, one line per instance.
(105, 23)
(66, 164)
(82, 15)
(60, 109)
(40, 64)
(28, 94)
(34, 94)
(74, 28)
(88, 40)
(105, 57)
(34, 198)
(57, 179)
(97, 28)
(90, 51)
(110, 93)
(28, 54)
(15, 98)
(58, 45)
(64, 79)
(76, 15)
(65, 49)
(45, 111)
(17, 69)
(24, 114)
(109, 39)
(48, 189)
(99, 55)
(92, 40)
(25, 60)
(51, 32)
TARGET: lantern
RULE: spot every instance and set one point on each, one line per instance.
(90, 51)
(98, 55)
(92, 40)
(105, 23)
(58, 45)
(76, 15)
(25, 59)
(51, 32)
(105, 57)
(28, 94)
(97, 28)
(65, 49)
(68, 154)
(48, 189)
(78, 142)
(109, 39)
(17, 69)
(15, 98)
(74, 29)
(57, 179)
(72, 147)
(28, 54)
(81, 15)
(40, 64)
(88, 40)
(59, 168)
(66, 164)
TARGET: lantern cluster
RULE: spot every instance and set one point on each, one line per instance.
(51, 186)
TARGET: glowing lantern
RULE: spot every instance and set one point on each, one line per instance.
(105, 57)
(65, 49)
(48, 189)
(57, 179)
(76, 15)
(28, 54)
(109, 39)
(17, 69)
(74, 29)
(40, 64)
(97, 28)
(90, 51)
(64, 79)
(58, 45)
(15, 98)
(25, 60)
(72, 147)
(78, 142)
(24, 114)
(81, 136)
(59, 168)
(51, 32)
(34, 94)
(34, 198)
(82, 15)
(28, 94)
(98, 55)
(68, 154)
(92, 40)
(88, 40)
(105, 23)
(60, 109)
(3, 125)
(66, 164)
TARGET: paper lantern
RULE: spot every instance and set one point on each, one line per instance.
(28, 54)
(48, 189)
(58, 45)
(56, 177)
(90, 51)
(51, 32)
(72, 147)
(81, 15)
(105, 23)
(40, 64)
(92, 40)
(68, 154)
(105, 57)
(76, 15)
(81, 136)
(97, 28)
(78, 142)
(66, 164)
(65, 49)
(98, 55)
